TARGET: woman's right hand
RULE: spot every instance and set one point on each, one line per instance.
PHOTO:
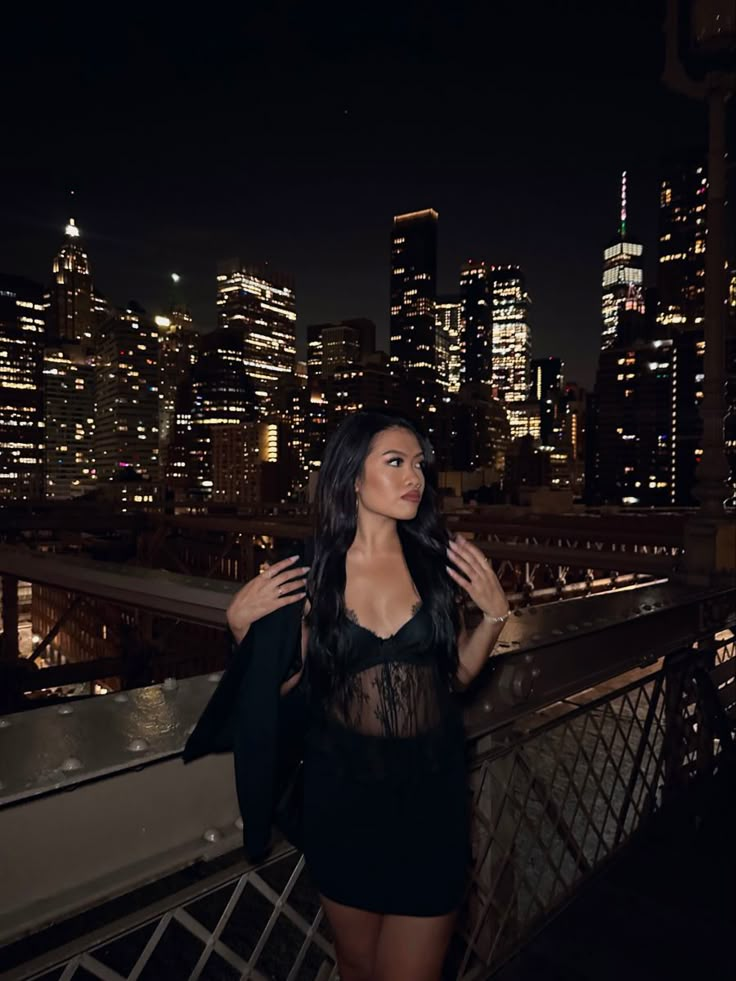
(266, 592)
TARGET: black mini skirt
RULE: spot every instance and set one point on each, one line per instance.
(386, 820)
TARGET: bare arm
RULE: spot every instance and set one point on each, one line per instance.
(474, 573)
(474, 648)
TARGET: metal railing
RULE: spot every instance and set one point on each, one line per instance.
(586, 727)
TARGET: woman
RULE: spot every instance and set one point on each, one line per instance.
(386, 830)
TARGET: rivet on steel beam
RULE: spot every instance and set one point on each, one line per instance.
(239, 823)
(573, 626)
(120, 697)
(557, 632)
(536, 672)
(536, 637)
(648, 607)
(65, 710)
(587, 623)
(137, 745)
(70, 764)
(4, 724)
(487, 706)
(170, 684)
(212, 834)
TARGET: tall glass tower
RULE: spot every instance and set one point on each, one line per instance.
(475, 289)
(623, 276)
(261, 305)
(512, 337)
(413, 294)
(71, 292)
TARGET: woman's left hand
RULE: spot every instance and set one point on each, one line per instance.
(478, 578)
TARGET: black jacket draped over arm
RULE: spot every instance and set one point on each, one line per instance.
(247, 716)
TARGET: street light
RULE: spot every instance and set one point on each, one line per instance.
(700, 62)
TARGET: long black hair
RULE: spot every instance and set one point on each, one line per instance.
(424, 541)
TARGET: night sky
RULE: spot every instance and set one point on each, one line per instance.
(293, 137)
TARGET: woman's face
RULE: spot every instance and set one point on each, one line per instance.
(392, 469)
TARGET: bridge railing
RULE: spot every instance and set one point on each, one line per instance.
(119, 860)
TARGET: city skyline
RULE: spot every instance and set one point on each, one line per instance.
(513, 150)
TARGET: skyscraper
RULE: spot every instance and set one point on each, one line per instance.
(177, 355)
(688, 375)
(623, 275)
(512, 342)
(224, 393)
(682, 223)
(260, 305)
(69, 410)
(413, 291)
(631, 452)
(450, 341)
(681, 311)
(126, 385)
(547, 392)
(334, 346)
(475, 289)
(71, 303)
(22, 328)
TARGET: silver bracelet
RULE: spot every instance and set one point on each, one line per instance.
(501, 619)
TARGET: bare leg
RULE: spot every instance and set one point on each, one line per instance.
(413, 948)
(356, 935)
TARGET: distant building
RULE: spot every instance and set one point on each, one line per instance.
(524, 419)
(290, 411)
(477, 312)
(623, 275)
(331, 347)
(688, 376)
(22, 334)
(450, 341)
(224, 392)
(126, 385)
(632, 455)
(188, 465)
(681, 311)
(511, 349)
(472, 432)
(413, 356)
(260, 305)
(547, 393)
(71, 310)
(177, 355)
(683, 196)
(366, 385)
(574, 435)
(69, 410)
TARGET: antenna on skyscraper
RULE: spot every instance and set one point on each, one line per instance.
(623, 205)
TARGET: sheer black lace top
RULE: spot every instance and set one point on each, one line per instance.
(395, 711)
